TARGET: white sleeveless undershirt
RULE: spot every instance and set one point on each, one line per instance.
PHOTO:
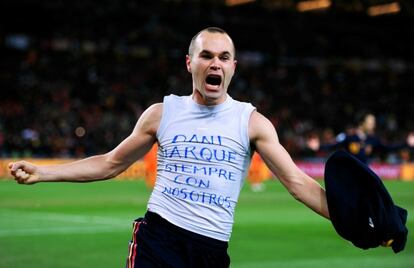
(203, 158)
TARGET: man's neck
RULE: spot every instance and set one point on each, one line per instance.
(202, 100)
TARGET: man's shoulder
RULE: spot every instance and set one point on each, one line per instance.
(175, 97)
(243, 105)
(154, 111)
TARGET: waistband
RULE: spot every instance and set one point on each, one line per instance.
(155, 219)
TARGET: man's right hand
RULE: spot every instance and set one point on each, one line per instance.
(24, 172)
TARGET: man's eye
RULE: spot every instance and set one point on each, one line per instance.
(206, 56)
(224, 58)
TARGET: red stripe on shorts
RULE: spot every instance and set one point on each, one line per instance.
(132, 248)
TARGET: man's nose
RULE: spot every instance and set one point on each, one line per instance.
(215, 64)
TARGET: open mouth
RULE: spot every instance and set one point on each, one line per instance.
(213, 79)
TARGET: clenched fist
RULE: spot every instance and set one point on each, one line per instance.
(24, 172)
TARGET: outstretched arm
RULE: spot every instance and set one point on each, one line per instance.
(98, 167)
(305, 189)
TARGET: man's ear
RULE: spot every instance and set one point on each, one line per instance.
(188, 63)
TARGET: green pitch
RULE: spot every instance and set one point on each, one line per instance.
(89, 225)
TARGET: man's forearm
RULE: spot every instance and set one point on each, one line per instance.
(86, 170)
(314, 197)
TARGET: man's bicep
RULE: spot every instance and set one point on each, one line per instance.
(263, 135)
(266, 142)
(130, 150)
(276, 158)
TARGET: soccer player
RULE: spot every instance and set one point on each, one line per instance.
(258, 173)
(150, 163)
(205, 142)
(361, 141)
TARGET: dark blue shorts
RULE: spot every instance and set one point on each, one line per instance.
(158, 243)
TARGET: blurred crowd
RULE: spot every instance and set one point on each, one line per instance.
(76, 75)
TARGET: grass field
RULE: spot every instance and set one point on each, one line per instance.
(88, 225)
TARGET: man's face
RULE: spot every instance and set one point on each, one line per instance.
(369, 123)
(212, 66)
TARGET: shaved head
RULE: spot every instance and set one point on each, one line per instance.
(210, 30)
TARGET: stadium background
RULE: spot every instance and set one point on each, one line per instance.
(76, 75)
